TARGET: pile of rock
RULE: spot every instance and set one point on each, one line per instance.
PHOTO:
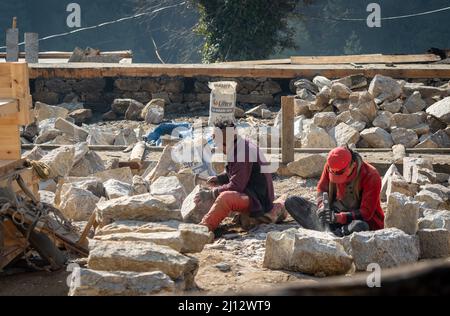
(381, 114)
(140, 235)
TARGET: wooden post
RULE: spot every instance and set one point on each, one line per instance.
(31, 48)
(287, 132)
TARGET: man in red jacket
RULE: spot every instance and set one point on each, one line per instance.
(353, 188)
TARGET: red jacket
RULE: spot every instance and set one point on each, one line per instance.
(370, 187)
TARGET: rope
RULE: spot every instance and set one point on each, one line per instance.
(43, 170)
(105, 23)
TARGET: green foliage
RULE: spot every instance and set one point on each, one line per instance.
(244, 29)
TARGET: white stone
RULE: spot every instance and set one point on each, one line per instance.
(77, 133)
(316, 137)
(168, 186)
(377, 137)
(441, 110)
(344, 134)
(384, 88)
(60, 161)
(115, 189)
(308, 166)
(383, 120)
(364, 103)
(77, 204)
(192, 212)
(44, 111)
(406, 137)
(402, 213)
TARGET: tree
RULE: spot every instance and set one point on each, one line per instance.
(244, 29)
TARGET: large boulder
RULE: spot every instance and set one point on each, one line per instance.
(345, 134)
(139, 207)
(441, 110)
(377, 137)
(435, 220)
(383, 120)
(325, 120)
(407, 120)
(306, 251)
(81, 116)
(384, 88)
(77, 204)
(120, 106)
(132, 226)
(309, 166)
(153, 113)
(392, 107)
(164, 166)
(192, 212)
(85, 282)
(138, 256)
(388, 247)
(134, 111)
(120, 174)
(168, 186)
(340, 91)
(70, 129)
(402, 213)
(60, 161)
(321, 82)
(91, 163)
(44, 111)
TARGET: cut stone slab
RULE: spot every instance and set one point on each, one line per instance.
(129, 226)
(345, 134)
(397, 183)
(432, 200)
(411, 165)
(187, 179)
(193, 213)
(385, 89)
(434, 243)
(257, 111)
(143, 207)
(71, 130)
(435, 220)
(77, 204)
(309, 166)
(402, 213)
(441, 110)
(388, 247)
(407, 120)
(85, 282)
(44, 111)
(60, 161)
(115, 189)
(377, 137)
(164, 166)
(406, 137)
(138, 256)
(168, 186)
(306, 251)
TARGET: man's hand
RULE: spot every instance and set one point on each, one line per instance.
(213, 181)
(203, 196)
(326, 216)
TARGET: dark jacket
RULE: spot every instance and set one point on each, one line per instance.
(245, 176)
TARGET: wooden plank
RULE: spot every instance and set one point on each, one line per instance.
(99, 70)
(67, 55)
(365, 59)
(21, 91)
(8, 107)
(284, 61)
(9, 142)
(287, 131)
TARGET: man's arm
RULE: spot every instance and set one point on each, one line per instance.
(322, 186)
(239, 174)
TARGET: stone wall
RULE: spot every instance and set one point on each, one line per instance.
(182, 94)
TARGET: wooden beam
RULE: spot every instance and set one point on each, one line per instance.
(8, 107)
(9, 142)
(287, 131)
(66, 55)
(285, 61)
(365, 59)
(99, 70)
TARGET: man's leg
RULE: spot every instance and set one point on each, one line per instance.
(304, 213)
(226, 203)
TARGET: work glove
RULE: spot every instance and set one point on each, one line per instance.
(203, 196)
(213, 181)
(344, 218)
(326, 216)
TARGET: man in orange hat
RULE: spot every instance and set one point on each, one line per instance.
(353, 188)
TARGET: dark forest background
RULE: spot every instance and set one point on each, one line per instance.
(316, 31)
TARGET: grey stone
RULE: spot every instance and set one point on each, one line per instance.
(306, 251)
(411, 164)
(71, 129)
(441, 110)
(168, 186)
(192, 212)
(402, 213)
(271, 87)
(44, 111)
(134, 111)
(60, 161)
(377, 137)
(121, 174)
(316, 137)
(126, 137)
(388, 247)
(128, 84)
(81, 116)
(325, 120)
(341, 105)
(345, 134)
(383, 120)
(304, 84)
(153, 113)
(415, 103)
(120, 106)
(393, 107)
(115, 189)
(434, 243)
(432, 200)
(364, 103)
(139, 186)
(309, 166)
(321, 82)
(91, 163)
(77, 204)
(164, 166)
(397, 183)
(47, 136)
(435, 220)
(340, 91)
(357, 81)
(142, 257)
(85, 282)
(139, 207)
(384, 88)
(406, 137)
(407, 120)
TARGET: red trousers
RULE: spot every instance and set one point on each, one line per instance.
(226, 203)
